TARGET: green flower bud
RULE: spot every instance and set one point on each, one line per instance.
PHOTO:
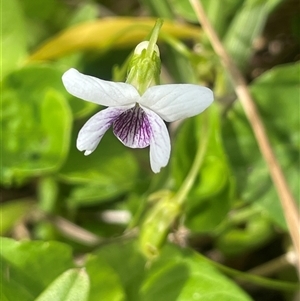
(144, 66)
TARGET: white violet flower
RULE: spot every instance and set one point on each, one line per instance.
(137, 120)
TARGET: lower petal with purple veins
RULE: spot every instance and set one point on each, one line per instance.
(92, 132)
(132, 127)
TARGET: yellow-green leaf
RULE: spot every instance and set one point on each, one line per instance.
(106, 33)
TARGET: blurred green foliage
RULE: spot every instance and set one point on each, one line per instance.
(231, 198)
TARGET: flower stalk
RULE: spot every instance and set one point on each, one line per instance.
(168, 208)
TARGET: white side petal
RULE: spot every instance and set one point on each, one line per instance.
(93, 130)
(160, 145)
(99, 91)
(178, 101)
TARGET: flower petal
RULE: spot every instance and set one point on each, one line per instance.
(160, 145)
(94, 129)
(178, 101)
(99, 91)
(132, 128)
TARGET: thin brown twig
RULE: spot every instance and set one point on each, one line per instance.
(241, 89)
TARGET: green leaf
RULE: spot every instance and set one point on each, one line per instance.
(123, 267)
(13, 36)
(27, 268)
(108, 172)
(105, 282)
(180, 274)
(211, 195)
(72, 285)
(277, 95)
(36, 123)
(119, 272)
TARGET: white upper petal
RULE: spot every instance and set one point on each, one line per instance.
(160, 145)
(177, 101)
(94, 129)
(99, 91)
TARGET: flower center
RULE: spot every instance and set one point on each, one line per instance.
(132, 127)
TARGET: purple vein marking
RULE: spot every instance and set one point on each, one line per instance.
(132, 127)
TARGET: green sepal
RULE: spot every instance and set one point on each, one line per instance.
(144, 71)
(144, 66)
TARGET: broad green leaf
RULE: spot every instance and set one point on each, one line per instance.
(108, 172)
(27, 268)
(211, 195)
(177, 275)
(106, 33)
(277, 96)
(12, 212)
(36, 124)
(13, 36)
(123, 265)
(105, 281)
(72, 285)
(182, 275)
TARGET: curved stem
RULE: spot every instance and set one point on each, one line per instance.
(183, 191)
(254, 279)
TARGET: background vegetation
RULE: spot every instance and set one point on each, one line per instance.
(104, 227)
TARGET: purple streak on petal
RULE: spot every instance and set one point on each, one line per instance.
(132, 128)
(94, 129)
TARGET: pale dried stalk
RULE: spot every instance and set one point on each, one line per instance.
(241, 89)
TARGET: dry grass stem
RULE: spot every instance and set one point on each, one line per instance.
(287, 201)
